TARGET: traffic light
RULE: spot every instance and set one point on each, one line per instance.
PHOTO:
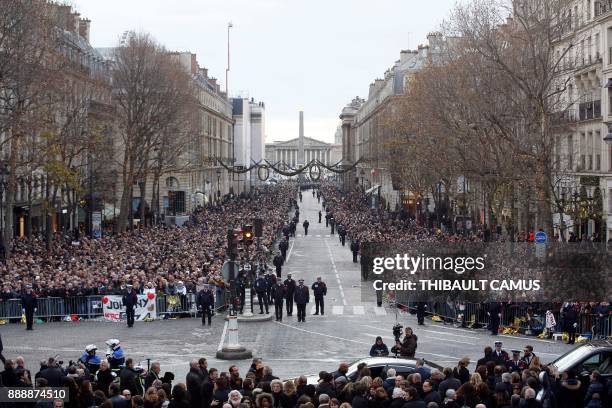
(247, 234)
(233, 237)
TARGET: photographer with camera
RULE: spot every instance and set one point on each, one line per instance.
(379, 349)
(409, 344)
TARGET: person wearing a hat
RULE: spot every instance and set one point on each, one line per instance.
(261, 286)
(516, 364)
(29, 304)
(500, 356)
(130, 300)
(301, 297)
(319, 289)
(289, 292)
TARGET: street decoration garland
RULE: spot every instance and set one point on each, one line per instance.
(263, 172)
(314, 168)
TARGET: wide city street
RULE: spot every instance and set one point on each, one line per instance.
(344, 333)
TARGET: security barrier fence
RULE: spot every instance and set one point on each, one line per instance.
(90, 307)
(528, 320)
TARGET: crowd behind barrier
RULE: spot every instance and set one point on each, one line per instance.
(91, 307)
(526, 319)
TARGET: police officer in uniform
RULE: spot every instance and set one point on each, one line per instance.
(270, 282)
(206, 301)
(495, 317)
(319, 289)
(420, 309)
(305, 225)
(130, 300)
(29, 305)
(290, 291)
(284, 246)
(278, 262)
(260, 289)
(301, 297)
(279, 292)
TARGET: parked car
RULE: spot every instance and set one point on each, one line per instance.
(585, 358)
(378, 367)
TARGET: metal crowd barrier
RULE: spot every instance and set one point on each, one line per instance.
(89, 307)
(475, 315)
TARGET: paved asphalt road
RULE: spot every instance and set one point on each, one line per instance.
(345, 333)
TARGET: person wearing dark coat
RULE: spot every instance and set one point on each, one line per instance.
(305, 224)
(29, 305)
(495, 310)
(206, 301)
(301, 297)
(420, 312)
(409, 344)
(130, 300)
(2, 348)
(128, 378)
(430, 394)
(570, 320)
(52, 373)
(283, 246)
(320, 216)
(449, 382)
(194, 383)
(488, 356)
(8, 376)
(319, 290)
(289, 292)
(413, 399)
(379, 349)
(279, 292)
(355, 250)
(278, 262)
(104, 378)
(261, 287)
(359, 400)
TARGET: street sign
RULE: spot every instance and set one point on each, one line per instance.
(540, 237)
(229, 273)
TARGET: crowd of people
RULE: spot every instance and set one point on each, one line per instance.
(168, 259)
(499, 380)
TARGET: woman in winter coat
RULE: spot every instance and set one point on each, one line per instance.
(461, 372)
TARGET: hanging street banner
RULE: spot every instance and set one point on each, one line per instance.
(114, 310)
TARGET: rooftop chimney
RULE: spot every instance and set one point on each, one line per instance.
(84, 26)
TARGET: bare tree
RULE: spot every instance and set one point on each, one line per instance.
(151, 91)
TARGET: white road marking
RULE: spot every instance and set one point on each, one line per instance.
(327, 236)
(222, 337)
(338, 310)
(335, 270)
(312, 309)
(318, 235)
(290, 250)
(448, 334)
(358, 310)
(321, 334)
(298, 235)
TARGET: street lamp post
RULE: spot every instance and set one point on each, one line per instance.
(362, 177)
(4, 173)
(218, 184)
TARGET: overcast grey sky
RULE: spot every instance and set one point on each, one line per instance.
(314, 55)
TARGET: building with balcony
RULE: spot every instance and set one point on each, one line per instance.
(364, 133)
(583, 160)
